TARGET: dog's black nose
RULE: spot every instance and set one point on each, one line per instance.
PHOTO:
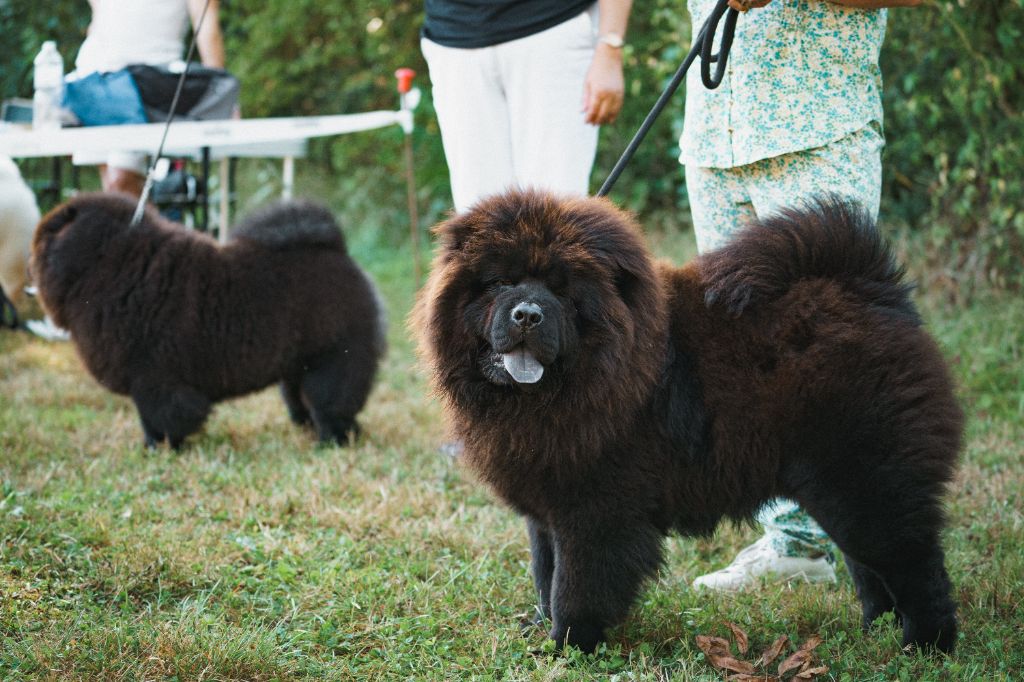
(527, 315)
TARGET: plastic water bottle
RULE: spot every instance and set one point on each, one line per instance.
(48, 79)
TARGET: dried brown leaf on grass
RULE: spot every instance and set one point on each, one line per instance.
(710, 645)
(801, 660)
(731, 663)
(794, 662)
(772, 652)
(742, 643)
(811, 673)
(719, 655)
(811, 643)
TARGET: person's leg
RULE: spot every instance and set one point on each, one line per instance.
(124, 172)
(850, 167)
(473, 115)
(791, 532)
(553, 148)
(793, 545)
(792, 548)
(719, 205)
(120, 180)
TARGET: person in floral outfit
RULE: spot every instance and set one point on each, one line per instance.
(798, 115)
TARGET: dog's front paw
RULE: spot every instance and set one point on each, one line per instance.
(583, 636)
(535, 621)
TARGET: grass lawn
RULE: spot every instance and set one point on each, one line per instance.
(254, 554)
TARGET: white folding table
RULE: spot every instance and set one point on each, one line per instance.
(283, 138)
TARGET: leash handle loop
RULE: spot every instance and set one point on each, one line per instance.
(707, 39)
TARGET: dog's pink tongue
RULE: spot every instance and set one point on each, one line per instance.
(523, 367)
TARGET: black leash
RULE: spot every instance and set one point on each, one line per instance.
(702, 46)
(140, 207)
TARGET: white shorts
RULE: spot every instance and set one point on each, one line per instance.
(512, 114)
(136, 162)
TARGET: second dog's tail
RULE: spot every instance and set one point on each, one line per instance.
(292, 223)
(826, 238)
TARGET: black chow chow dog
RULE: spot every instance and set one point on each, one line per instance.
(178, 322)
(611, 401)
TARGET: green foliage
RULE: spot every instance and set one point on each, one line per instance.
(955, 124)
(25, 25)
(954, 97)
(304, 57)
(659, 39)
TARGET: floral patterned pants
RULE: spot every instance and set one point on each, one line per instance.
(722, 200)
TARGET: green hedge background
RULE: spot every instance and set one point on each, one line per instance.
(954, 96)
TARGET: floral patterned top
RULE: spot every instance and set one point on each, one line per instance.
(801, 74)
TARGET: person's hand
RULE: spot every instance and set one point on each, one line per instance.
(604, 86)
(744, 5)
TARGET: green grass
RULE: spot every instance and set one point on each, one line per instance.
(254, 554)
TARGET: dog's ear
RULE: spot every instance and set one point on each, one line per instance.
(453, 232)
(69, 213)
(616, 236)
(59, 218)
(50, 226)
(504, 212)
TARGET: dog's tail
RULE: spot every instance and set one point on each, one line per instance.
(826, 238)
(291, 223)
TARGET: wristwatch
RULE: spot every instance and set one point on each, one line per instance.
(611, 40)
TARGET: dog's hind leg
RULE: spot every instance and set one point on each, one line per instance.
(332, 419)
(169, 412)
(151, 436)
(921, 589)
(335, 390)
(873, 594)
(892, 534)
(291, 392)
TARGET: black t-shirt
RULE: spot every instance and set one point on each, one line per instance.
(482, 23)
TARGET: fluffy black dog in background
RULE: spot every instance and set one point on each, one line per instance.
(178, 322)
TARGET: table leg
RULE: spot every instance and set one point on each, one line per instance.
(225, 198)
(287, 177)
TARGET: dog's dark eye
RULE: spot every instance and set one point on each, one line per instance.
(498, 283)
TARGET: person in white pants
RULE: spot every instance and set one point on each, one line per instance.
(520, 88)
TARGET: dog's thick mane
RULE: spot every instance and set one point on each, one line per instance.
(292, 223)
(538, 225)
(827, 238)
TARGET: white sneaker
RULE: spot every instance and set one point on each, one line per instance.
(762, 560)
(48, 330)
